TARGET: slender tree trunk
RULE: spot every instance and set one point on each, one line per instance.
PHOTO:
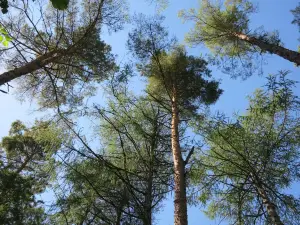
(285, 53)
(180, 212)
(270, 206)
(147, 208)
(119, 216)
(119, 210)
(30, 67)
(148, 196)
(148, 202)
(240, 204)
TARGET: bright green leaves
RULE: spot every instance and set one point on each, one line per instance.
(217, 24)
(60, 4)
(169, 68)
(264, 142)
(4, 37)
(21, 140)
(57, 4)
(224, 29)
(186, 74)
(5, 43)
(135, 147)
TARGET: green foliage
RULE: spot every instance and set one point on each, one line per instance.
(134, 128)
(60, 4)
(170, 70)
(4, 37)
(296, 14)
(95, 191)
(214, 24)
(218, 25)
(82, 61)
(177, 82)
(131, 178)
(183, 74)
(18, 204)
(37, 143)
(261, 148)
(4, 6)
(126, 180)
(25, 169)
(57, 4)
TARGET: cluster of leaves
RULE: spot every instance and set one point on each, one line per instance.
(25, 168)
(169, 68)
(60, 4)
(224, 28)
(214, 25)
(70, 58)
(57, 4)
(129, 180)
(4, 37)
(258, 153)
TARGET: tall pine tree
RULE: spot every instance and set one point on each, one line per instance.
(177, 82)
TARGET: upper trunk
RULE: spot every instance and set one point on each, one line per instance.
(149, 193)
(119, 217)
(180, 212)
(269, 205)
(285, 53)
(30, 67)
(147, 217)
(119, 210)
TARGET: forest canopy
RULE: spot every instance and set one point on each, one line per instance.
(149, 112)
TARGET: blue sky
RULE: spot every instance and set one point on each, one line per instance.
(272, 14)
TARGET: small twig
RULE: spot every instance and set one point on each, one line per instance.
(5, 92)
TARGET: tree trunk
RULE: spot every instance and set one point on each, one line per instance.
(119, 216)
(270, 206)
(148, 205)
(180, 212)
(146, 214)
(119, 210)
(285, 53)
(30, 67)
(148, 195)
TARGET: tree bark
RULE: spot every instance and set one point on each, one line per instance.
(285, 53)
(119, 216)
(30, 67)
(147, 220)
(269, 205)
(119, 210)
(180, 212)
(149, 193)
